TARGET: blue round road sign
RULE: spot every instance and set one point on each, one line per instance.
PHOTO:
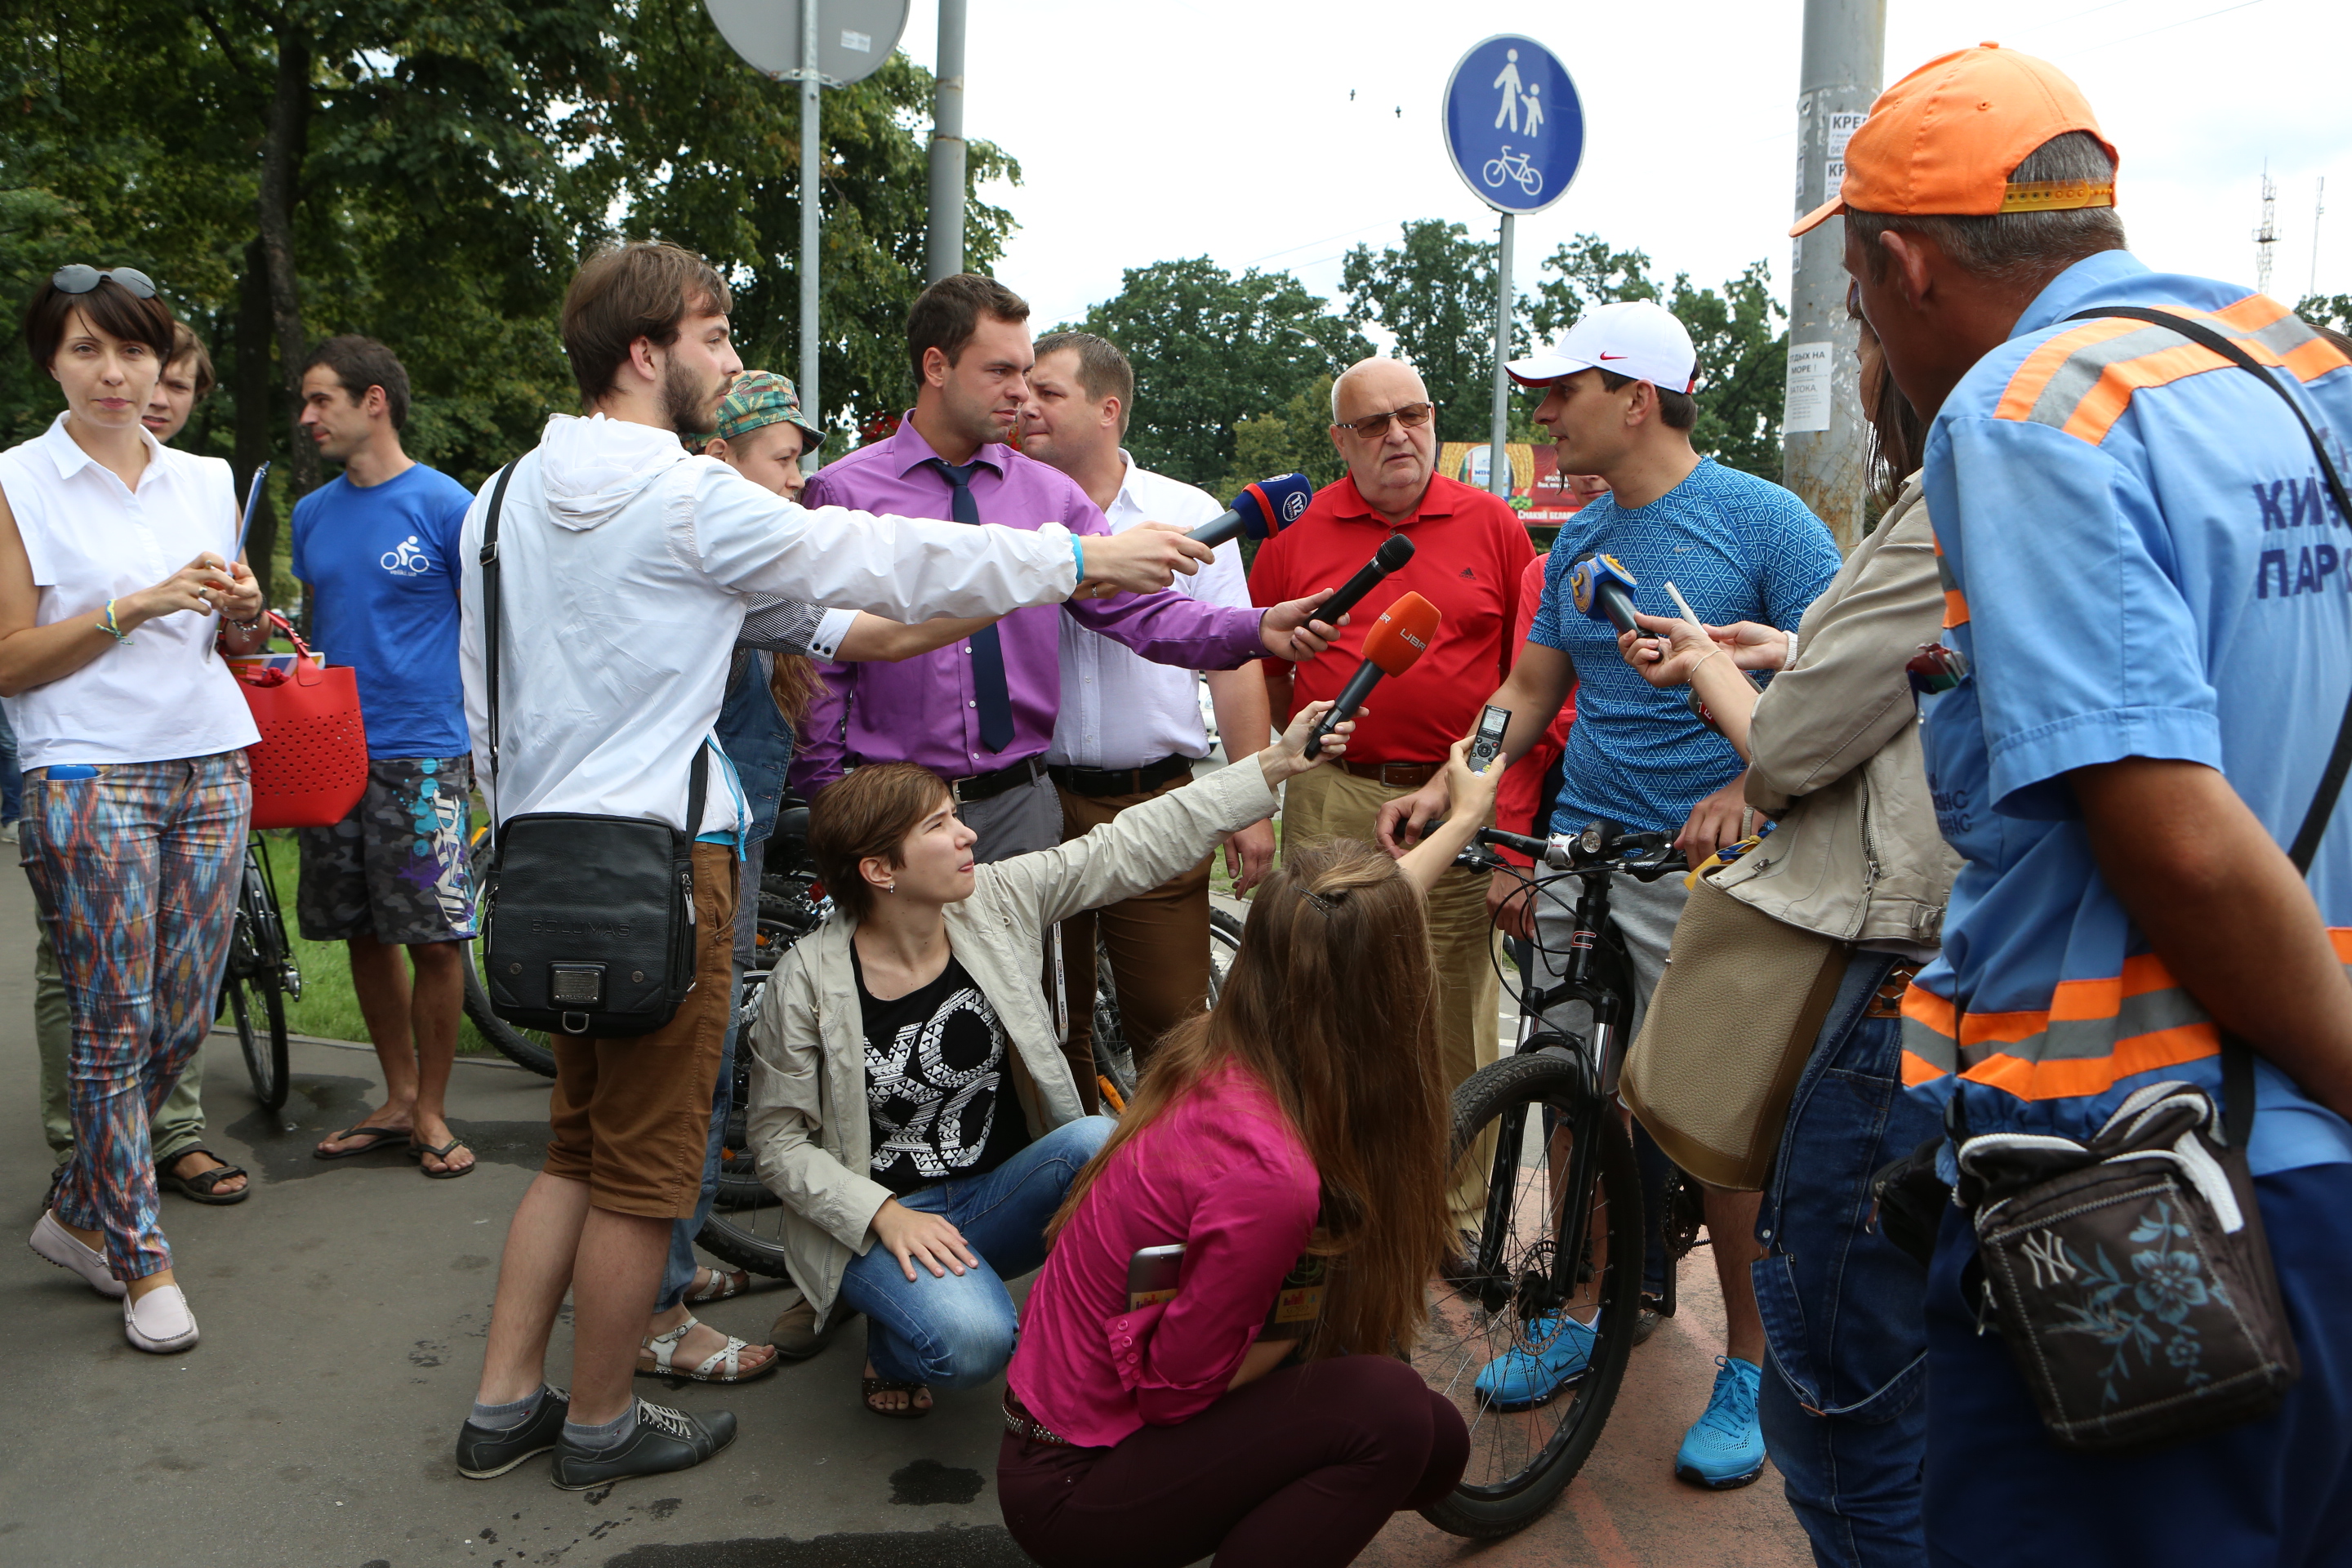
(1514, 125)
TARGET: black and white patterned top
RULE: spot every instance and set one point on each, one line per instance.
(934, 1083)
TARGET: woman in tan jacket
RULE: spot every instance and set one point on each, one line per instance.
(1832, 748)
(911, 1102)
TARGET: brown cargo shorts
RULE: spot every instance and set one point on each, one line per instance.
(632, 1117)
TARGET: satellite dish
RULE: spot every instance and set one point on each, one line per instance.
(852, 36)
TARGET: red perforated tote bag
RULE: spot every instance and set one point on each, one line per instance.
(310, 766)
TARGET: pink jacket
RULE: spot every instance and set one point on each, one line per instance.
(1223, 1172)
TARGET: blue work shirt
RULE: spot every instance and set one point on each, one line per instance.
(1740, 549)
(2140, 560)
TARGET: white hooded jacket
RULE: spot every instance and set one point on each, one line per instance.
(626, 568)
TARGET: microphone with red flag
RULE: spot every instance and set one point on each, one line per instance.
(1401, 636)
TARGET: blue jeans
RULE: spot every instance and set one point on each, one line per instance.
(678, 1274)
(958, 1331)
(11, 777)
(1844, 1310)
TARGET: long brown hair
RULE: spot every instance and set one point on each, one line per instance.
(793, 681)
(1331, 1007)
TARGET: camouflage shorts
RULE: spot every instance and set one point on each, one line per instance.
(396, 868)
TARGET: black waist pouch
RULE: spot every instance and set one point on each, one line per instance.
(588, 920)
(2129, 1276)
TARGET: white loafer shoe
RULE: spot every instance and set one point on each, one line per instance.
(62, 1248)
(160, 1320)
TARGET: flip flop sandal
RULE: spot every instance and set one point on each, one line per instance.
(867, 1387)
(725, 1286)
(203, 1187)
(664, 1347)
(377, 1137)
(417, 1151)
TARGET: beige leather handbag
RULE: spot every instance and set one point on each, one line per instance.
(1727, 1034)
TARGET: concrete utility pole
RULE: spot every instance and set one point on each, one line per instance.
(1498, 461)
(943, 244)
(809, 203)
(1824, 446)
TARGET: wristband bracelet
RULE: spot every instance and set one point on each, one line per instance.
(107, 624)
(1078, 555)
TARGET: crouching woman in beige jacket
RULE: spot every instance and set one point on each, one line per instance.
(911, 1103)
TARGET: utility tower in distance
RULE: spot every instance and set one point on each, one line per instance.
(2318, 211)
(2266, 236)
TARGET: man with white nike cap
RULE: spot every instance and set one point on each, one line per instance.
(1617, 399)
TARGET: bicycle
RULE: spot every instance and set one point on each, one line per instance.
(260, 975)
(1562, 1231)
(1514, 166)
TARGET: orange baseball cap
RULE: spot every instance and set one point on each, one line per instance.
(1944, 139)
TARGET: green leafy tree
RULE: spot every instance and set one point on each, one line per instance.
(1435, 294)
(1737, 330)
(2332, 311)
(1211, 351)
(1296, 437)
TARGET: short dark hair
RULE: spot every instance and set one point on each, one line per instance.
(1103, 369)
(945, 315)
(1676, 410)
(2021, 246)
(360, 363)
(111, 309)
(186, 346)
(625, 292)
(868, 813)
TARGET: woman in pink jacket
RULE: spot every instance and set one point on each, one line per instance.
(1293, 1143)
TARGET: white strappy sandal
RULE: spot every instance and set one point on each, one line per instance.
(721, 1366)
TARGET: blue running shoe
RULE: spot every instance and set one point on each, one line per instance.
(1725, 1447)
(1521, 1379)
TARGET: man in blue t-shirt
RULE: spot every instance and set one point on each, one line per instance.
(379, 549)
(1617, 402)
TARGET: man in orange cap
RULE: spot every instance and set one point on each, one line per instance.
(2148, 652)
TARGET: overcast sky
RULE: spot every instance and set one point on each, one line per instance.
(1149, 130)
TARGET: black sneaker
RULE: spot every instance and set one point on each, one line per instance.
(665, 1440)
(482, 1454)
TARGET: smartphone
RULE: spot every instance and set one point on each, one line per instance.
(1151, 1274)
(1487, 744)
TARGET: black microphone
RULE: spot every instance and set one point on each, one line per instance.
(1393, 553)
(1401, 636)
(1260, 510)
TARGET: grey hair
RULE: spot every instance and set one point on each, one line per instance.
(2022, 247)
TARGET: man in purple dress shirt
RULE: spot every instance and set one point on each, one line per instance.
(980, 712)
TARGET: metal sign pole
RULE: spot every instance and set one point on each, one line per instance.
(1498, 461)
(810, 401)
(944, 241)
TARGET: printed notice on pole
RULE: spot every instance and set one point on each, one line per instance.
(1841, 129)
(1808, 406)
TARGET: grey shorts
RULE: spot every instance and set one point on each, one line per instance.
(396, 868)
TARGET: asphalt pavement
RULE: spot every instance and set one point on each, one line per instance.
(344, 1308)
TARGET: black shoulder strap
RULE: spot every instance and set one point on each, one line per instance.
(490, 559)
(2237, 1060)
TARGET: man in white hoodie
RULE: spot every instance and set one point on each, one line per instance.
(628, 568)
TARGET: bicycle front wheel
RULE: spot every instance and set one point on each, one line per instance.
(524, 1047)
(258, 1010)
(1527, 1336)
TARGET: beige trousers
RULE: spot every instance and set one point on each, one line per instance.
(1328, 804)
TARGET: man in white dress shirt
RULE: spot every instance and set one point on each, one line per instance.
(1130, 730)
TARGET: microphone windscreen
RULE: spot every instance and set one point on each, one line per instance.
(1402, 635)
(1393, 555)
(1273, 505)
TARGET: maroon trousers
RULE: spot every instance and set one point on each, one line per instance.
(1300, 1469)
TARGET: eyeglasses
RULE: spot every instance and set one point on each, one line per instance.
(1854, 298)
(80, 277)
(1372, 426)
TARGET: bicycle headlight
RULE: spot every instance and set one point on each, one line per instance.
(1592, 839)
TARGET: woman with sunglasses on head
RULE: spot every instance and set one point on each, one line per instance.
(132, 736)
(1293, 1143)
(1833, 750)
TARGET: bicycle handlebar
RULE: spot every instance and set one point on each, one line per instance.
(1602, 847)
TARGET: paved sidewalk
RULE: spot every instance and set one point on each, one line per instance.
(344, 1308)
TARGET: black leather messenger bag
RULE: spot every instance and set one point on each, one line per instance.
(588, 920)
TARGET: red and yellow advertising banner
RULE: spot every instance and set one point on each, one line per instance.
(1537, 494)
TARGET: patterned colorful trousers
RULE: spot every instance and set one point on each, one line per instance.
(136, 870)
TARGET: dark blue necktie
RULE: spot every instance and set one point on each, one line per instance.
(989, 691)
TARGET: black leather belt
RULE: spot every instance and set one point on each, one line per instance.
(988, 786)
(1120, 780)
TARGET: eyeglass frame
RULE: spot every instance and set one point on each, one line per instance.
(130, 279)
(1396, 415)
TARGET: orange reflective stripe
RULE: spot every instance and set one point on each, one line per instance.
(2251, 314)
(2105, 402)
(2025, 388)
(1956, 608)
(2315, 359)
(2072, 1079)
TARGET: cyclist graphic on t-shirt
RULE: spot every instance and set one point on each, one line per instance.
(408, 560)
